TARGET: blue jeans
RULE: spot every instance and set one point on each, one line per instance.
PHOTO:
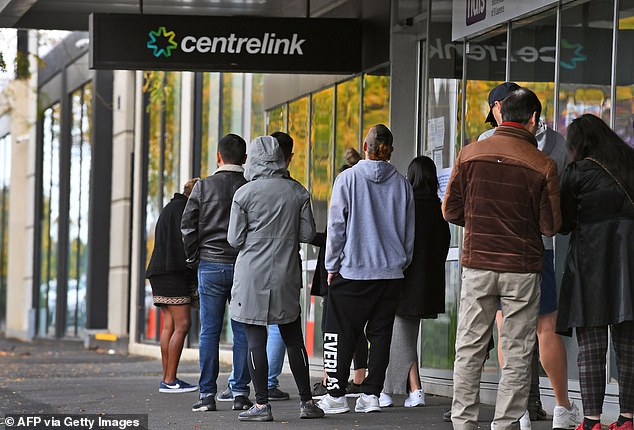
(275, 350)
(214, 287)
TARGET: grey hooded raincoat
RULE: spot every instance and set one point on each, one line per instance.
(270, 215)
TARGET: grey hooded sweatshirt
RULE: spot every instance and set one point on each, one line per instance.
(371, 223)
(270, 215)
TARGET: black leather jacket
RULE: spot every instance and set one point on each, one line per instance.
(206, 217)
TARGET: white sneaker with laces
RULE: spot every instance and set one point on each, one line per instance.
(415, 398)
(333, 405)
(385, 400)
(367, 403)
(566, 419)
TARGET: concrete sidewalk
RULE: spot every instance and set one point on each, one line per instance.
(64, 378)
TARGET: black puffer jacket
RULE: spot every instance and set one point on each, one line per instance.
(206, 217)
(598, 283)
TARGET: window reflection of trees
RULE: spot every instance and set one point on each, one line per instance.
(321, 138)
(81, 151)
(298, 130)
(210, 122)
(376, 100)
(347, 134)
(276, 119)
(5, 182)
(624, 104)
(49, 220)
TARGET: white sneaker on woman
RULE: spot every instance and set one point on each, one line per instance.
(385, 400)
(415, 398)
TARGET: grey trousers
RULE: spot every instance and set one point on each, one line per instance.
(479, 296)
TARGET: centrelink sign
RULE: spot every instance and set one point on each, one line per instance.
(235, 44)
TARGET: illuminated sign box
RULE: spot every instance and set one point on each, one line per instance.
(232, 44)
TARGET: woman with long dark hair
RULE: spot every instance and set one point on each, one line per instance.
(423, 293)
(597, 292)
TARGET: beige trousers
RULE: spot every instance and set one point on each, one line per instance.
(479, 296)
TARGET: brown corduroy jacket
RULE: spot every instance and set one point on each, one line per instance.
(505, 192)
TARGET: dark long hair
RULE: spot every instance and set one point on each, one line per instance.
(590, 136)
(421, 173)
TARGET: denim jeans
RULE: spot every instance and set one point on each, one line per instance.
(275, 350)
(214, 287)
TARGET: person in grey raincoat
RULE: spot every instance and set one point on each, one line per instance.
(270, 215)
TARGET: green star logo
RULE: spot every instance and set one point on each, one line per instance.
(162, 42)
(574, 50)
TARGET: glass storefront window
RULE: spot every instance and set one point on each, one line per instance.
(348, 121)
(5, 182)
(533, 59)
(298, 130)
(163, 174)
(257, 105)
(624, 103)
(232, 103)
(376, 98)
(276, 119)
(49, 221)
(486, 66)
(586, 56)
(80, 159)
(438, 336)
(210, 122)
(321, 148)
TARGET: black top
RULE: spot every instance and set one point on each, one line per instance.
(423, 293)
(168, 255)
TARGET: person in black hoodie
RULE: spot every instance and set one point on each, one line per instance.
(423, 293)
(173, 284)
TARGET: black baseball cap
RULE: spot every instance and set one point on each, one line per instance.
(497, 94)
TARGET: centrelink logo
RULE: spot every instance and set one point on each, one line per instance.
(162, 43)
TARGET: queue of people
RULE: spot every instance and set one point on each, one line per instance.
(384, 253)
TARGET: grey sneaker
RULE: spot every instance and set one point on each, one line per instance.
(225, 396)
(257, 414)
(310, 410)
(367, 403)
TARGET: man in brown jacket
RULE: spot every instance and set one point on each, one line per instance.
(505, 192)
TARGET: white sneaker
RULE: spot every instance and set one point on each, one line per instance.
(367, 403)
(566, 419)
(525, 421)
(415, 398)
(385, 400)
(333, 405)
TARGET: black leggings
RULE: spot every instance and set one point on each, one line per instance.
(297, 357)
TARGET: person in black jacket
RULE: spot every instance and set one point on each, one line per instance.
(423, 293)
(597, 288)
(204, 228)
(172, 284)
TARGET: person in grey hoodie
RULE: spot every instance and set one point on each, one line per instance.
(369, 245)
(270, 215)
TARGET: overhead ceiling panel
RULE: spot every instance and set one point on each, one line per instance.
(73, 14)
